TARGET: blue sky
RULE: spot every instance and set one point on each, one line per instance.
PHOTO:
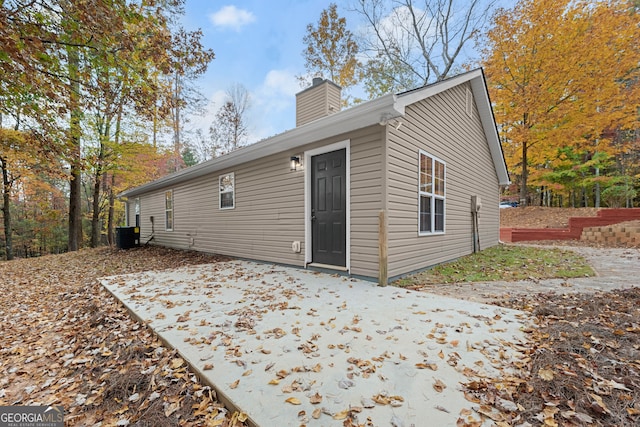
(258, 44)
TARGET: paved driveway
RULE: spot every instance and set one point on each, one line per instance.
(291, 347)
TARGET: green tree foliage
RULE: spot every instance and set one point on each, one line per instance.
(189, 157)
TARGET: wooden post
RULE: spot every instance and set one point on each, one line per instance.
(383, 275)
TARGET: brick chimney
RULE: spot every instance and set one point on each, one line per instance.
(321, 99)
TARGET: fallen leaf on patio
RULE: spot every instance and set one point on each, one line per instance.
(208, 367)
(341, 415)
(439, 386)
(315, 399)
(234, 384)
(471, 398)
(247, 373)
(185, 317)
(381, 399)
(293, 401)
(368, 403)
(470, 422)
(274, 381)
(431, 366)
(316, 413)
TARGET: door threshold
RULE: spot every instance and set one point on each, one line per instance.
(327, 266)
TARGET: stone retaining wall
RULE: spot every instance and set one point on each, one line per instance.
(614, 235)
(604, 218)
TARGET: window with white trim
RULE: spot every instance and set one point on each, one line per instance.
(168, 210)
(227, 191)
(431, 193)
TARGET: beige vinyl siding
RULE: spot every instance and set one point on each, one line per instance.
(152, 205)
(130, 220)
(441, 127)
(366, 190)
(266, 219)
(269, 208)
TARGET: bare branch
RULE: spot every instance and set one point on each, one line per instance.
(421, 41)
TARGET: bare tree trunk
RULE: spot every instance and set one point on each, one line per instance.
(75, 185)
(6, 205)
(176, 122)
(110, 217)
(112, 196)
(596, 202)
(524, 194)
(95, 207)
(6, 211)
(155, 126)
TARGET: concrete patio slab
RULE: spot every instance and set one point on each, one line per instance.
(290, 347)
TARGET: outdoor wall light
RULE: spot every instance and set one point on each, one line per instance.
(296, 163)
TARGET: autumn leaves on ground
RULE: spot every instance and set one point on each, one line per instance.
(67, 341)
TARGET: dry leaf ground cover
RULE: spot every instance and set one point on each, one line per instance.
(66, 341)
(583, 364)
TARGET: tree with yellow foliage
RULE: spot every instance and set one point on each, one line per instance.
(331, 48)
(561, 73)
(18, 154)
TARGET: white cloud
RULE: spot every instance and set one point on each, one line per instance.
(232, 17)
(218, 99)
(273, 104)
(271, 110)
(281, 82)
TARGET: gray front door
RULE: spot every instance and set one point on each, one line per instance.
(328, 208)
